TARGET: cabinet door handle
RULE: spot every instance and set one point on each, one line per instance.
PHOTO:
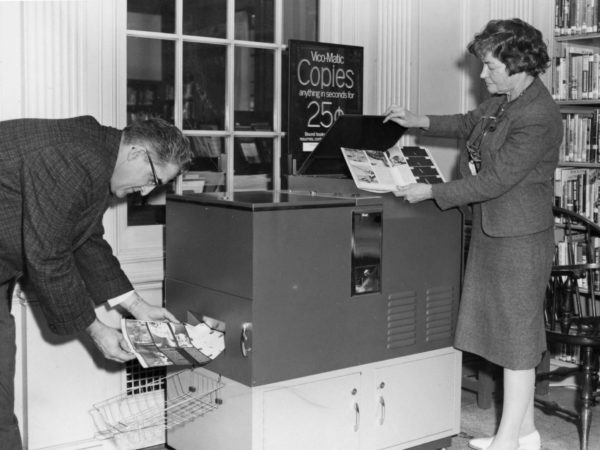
(356, 416)
(382, 410)
(246, 339)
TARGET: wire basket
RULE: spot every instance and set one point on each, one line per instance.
(183, 397)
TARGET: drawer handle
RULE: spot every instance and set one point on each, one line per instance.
(357, 416)
(382, 410)
(381, 403)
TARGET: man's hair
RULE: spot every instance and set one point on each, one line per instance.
(164, 139)
(517, 44)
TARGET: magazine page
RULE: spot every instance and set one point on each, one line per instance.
(184, 340)
(141, 344)
(207, 341)
(158, 344)
(401, 169)
(370, 169)
(165, 342)
(380, 172)
(422, 165)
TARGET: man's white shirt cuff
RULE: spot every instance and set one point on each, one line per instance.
(112, 302)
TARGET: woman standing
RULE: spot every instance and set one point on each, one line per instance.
(507, 168)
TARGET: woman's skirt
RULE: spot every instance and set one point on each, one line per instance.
(501, 309)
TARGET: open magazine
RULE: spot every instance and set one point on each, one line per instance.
(174, 344)
(377, 171)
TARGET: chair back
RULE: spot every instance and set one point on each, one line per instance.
(575, 278)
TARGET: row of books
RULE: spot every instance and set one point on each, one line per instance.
(575, 252)
(576, 72)
(580, 136)
(578, 190)
(576, 17)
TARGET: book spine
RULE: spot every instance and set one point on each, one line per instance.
(594, 135)
(585, 77)
(567, 17)
(558, 188)
(557, 17)
(594, 75)
(579, 16)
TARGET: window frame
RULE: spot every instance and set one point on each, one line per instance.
(140, 248)
(229, 134)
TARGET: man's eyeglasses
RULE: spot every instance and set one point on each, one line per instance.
(156, 181)
(486, 124)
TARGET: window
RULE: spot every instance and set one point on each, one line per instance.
(214, 69)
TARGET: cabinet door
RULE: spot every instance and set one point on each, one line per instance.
(318, 415)
(417, 401)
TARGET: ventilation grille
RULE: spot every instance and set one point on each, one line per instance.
(139, 380)
(402, 319)
(438, 316)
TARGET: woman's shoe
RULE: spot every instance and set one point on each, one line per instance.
(531, 441)
(481, 443)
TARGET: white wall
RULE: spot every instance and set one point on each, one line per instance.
(55, 59)
(415, 52)
(10, 61)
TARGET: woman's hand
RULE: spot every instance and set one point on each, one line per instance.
(414, 193)
(405, 118)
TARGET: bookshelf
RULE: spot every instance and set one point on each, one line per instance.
(576, 89)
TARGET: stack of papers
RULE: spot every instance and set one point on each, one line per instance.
(158, 344)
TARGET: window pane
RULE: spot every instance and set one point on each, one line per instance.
(150, 93)
(205, 174)
(150, 79)
(300, 20)
(151, 15)
(208, 151)
(255, 20)
(204, 76)
(253, 163)
(253, 94)
(205, 18)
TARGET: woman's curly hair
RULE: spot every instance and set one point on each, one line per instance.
(517, 44)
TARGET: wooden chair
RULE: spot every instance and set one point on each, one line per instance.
(481, 377)
(571, 316)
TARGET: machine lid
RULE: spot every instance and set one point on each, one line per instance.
(353, 131)
(265, 200)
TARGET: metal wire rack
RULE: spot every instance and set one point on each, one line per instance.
(186, 396)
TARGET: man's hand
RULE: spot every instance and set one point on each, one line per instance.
(109, 341)
(415, 192)
(142, 310)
